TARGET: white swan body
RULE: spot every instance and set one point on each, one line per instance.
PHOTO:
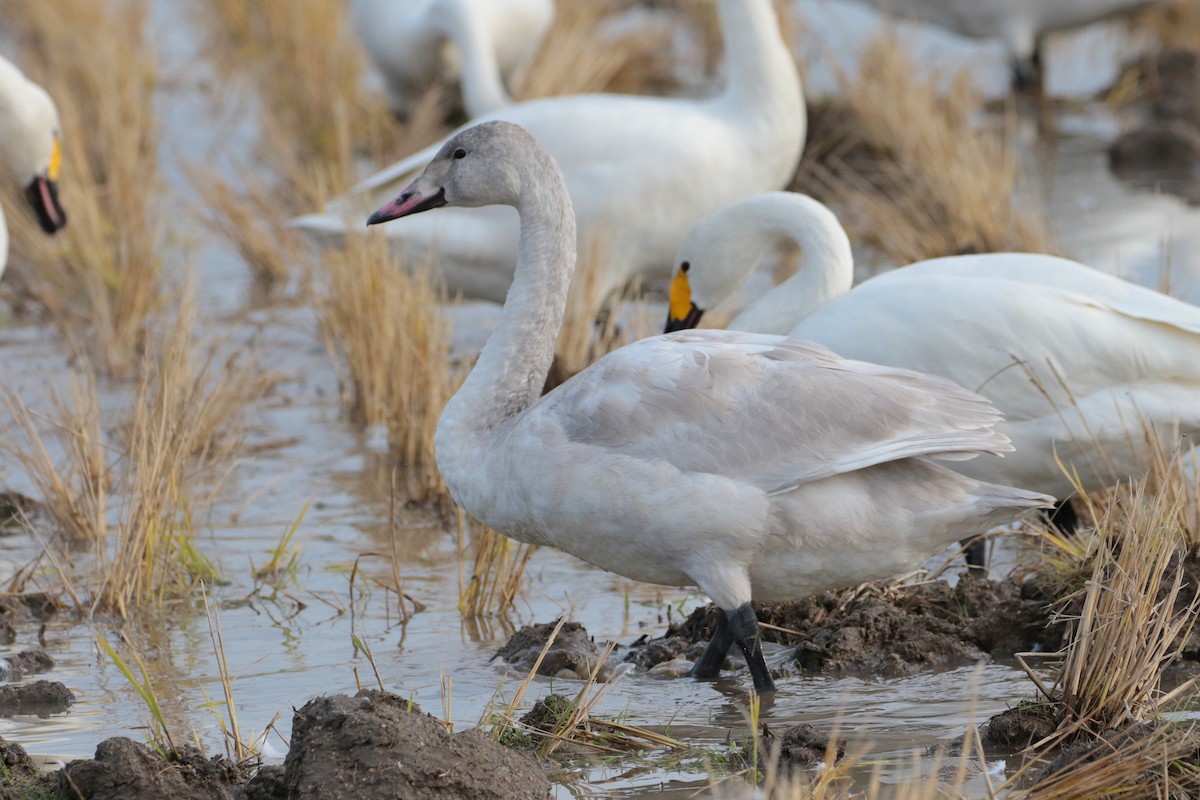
(1077, 361)
(30, 148)
(752, 466)
(1020, 24)
(641, 170)
(491, 41)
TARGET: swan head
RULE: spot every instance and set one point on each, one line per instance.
(480, 166)
(31, 144)
(706, 260)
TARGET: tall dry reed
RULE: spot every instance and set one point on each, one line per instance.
(99, 278)
(922, 178)
(384, 329)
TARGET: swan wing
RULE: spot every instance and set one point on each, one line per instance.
(1078, 283)
(767, 410)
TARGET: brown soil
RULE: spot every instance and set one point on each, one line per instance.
(573, 655)
(377, 745)
(127, 770)
(369, 746)
(1019, 727)
(892, 630)
(29, 662)
(42, 698)
(802, 746)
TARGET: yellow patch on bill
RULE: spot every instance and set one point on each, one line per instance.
(681, 297)
(55, 160)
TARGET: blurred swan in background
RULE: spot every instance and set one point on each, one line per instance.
(1021, 24)
(30, 148)
(1077, 361)
(752, 466)
(641, 170)
(490, 41)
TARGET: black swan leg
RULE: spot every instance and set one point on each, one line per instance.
(744, 626)
(709, 664)
(975, 553)
(1064, 517)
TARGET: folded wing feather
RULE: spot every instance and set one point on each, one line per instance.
(767, 410)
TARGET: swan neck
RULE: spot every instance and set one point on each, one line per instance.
(826, 271)
(758, 61)
(482, 87)
(512, 368)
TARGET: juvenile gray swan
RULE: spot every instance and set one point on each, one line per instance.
(752, 466)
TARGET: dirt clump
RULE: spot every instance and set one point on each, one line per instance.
(647, 653)
(573, 655)
(1019, 727)
(40, 697)
(802, 746)
(127, 770)
(377, 745)
(29, 662)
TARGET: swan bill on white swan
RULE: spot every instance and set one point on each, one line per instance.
(42, 194)
(682, 312)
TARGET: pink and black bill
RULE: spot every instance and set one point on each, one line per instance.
(410, 202)
(42, 194)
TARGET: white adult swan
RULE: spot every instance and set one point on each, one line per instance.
(30, 149)
(492, 40)
(752, 466)
(641, 170)
(1021, 24)
(1077, 361)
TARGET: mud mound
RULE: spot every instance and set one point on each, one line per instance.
(127, 770)
(377, 745)
(29, 662)
(802, 746)
(40, 697)
(892, 630)
(573, 655)
(1019, 727)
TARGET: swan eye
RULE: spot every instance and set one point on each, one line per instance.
(685, 266)
(460, 153)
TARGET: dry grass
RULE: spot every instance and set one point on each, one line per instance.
(497, 570)
(383, 328)
(578, 57)
(100, 278)
(1174, 24)
(75, 495)
(307, 66)
(1132, 621)
(251, 221)
(934, 182)
(183, 428)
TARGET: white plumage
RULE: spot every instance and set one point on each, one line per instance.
(753, 466)
(641, 170)
(30, 149)
(1080, 363)
(1020, 24)
(484, 43)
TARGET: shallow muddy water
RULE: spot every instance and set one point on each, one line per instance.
(288, 643)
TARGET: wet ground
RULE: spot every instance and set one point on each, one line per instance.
(290, 642)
